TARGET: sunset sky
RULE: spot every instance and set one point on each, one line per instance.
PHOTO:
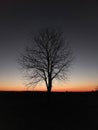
(79, 21)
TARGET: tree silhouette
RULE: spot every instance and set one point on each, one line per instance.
(96, 89)
(49, 57)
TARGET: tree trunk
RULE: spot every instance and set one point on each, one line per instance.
(49, 85)
(49, 90)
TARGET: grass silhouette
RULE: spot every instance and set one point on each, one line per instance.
(65, 111)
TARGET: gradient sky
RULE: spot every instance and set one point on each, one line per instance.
(79, 20)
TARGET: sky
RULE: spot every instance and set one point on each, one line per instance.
(79, 21)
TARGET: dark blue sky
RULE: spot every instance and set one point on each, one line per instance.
(78, 19)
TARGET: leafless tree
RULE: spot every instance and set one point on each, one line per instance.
(49, 57)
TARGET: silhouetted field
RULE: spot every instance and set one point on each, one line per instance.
(35, 111)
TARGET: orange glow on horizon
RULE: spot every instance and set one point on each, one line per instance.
(57, 89)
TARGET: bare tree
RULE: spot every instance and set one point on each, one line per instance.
(48, 58)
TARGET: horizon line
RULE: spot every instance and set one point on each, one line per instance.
(46, 91)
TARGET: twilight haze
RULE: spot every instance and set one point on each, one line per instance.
(78, 19)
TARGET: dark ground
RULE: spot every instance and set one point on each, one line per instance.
(63, 111)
